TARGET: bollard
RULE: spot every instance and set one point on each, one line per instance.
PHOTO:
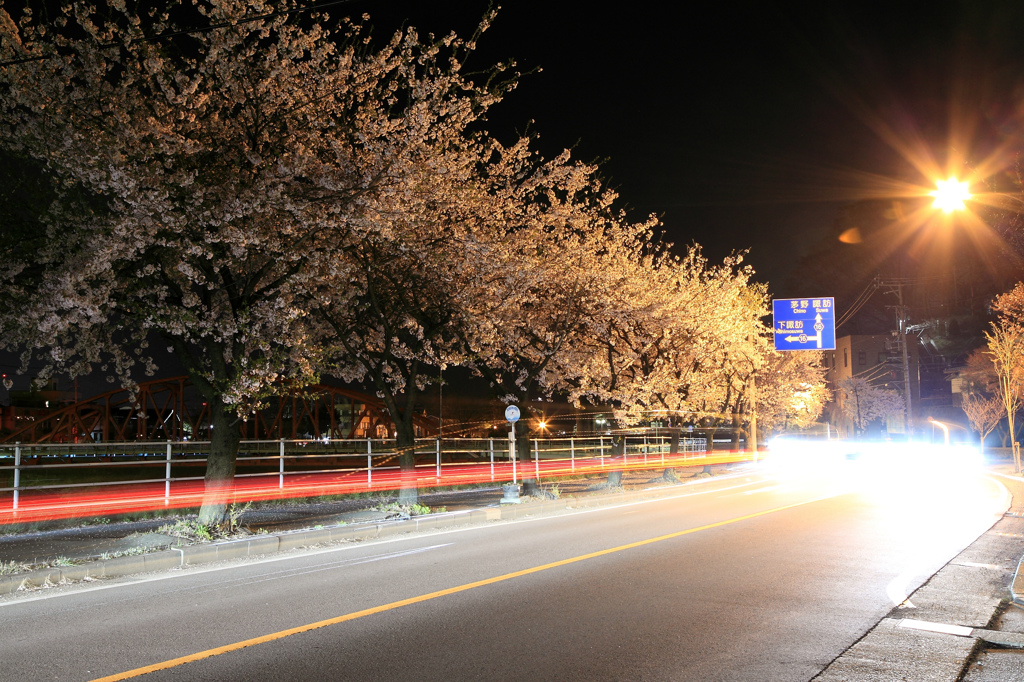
(17, 471)
(572, 453)
(536, 460)
(369, 464)
(438, 459)
(167, 477)
(280, 466)
(490, 448)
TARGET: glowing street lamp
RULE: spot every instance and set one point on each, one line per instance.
(950, 195)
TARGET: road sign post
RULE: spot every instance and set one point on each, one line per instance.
(512, 415)
(804, 323)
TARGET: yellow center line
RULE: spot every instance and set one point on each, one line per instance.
(210, 653)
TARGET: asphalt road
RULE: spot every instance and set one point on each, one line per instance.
(769, 579)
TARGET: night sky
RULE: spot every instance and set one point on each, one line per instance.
(748, 125)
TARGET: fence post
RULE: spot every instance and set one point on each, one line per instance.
(17, 471)
(167, 477)
(572, 453)
(438, 459)
(536, 460)
(369, 464)
(280, 465)
(490, 448)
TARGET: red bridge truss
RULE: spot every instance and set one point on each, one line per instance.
(171, 409)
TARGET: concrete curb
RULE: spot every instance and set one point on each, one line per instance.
(283, 542)
(1017, 586)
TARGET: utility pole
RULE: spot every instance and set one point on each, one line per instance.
(895, 286)
(753, 415)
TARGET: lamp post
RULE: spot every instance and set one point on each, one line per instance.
(950, 195)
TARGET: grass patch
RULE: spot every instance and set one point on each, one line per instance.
(188, 529)
(133, 551)
(12, 567)
(407, 509)
(85, 522)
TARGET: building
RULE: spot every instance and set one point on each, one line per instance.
(876, 358)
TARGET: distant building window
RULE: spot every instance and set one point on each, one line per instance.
(846, 358)
(862, 357)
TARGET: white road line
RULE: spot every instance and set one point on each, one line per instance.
(945, 628)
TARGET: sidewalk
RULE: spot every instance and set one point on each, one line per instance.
(961, 624)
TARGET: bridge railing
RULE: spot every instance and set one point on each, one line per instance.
(323, 466)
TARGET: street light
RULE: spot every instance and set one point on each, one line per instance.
(945, 430)
(950, 195)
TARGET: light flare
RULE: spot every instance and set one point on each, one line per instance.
(950, 195)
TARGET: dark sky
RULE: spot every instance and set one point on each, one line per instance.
(746, 125)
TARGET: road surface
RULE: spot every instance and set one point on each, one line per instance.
(769, 577)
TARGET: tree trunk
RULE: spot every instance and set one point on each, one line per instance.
(220, 465)
(405, 441)
(737, 430)
(618, 450)
(669, 474)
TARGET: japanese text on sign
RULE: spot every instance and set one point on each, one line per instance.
(804, 323)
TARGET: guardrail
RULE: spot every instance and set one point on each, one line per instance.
(48, 475)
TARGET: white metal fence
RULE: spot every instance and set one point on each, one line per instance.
(26, 468)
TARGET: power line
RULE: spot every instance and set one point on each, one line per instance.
(861, 299)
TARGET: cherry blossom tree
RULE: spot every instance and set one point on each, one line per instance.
(1006, 348)
(389, 303)
(205, 158)
(675, 316)
(979, 393)
(984, 412)
(862, 403)
(791, 390)
(544, 277)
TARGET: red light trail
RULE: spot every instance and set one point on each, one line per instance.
(35, 506)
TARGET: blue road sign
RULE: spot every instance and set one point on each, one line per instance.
(804, 323)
